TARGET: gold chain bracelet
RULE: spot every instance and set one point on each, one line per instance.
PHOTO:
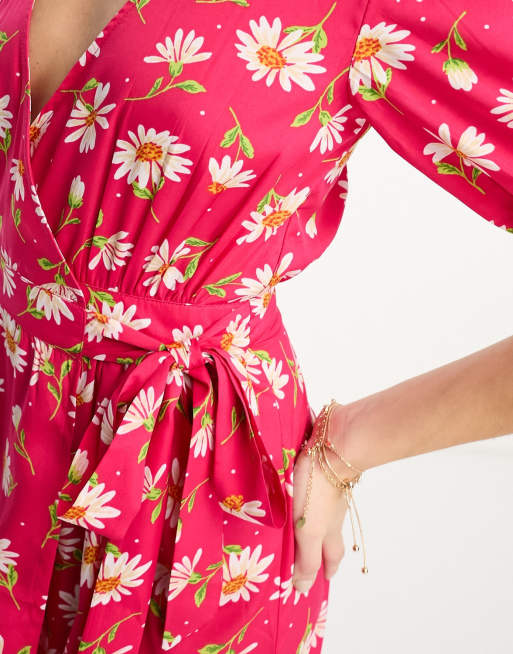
(318, 449)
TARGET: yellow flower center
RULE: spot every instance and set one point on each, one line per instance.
(216, 188)
(11, 343)
(75, 512)
(366, 47)
(101, 317)
(91, 554)
(276, 218)
(90, 120)
(163, 269)
(107, 585)
(234, 502)
(270, 57)
(21, 167)
(149, 152)
(226, 341)
(234, 584)
(34, 133)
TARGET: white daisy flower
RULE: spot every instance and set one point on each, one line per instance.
(186, 51)
(76, 193)
(51, 299)
(140, 412)
(273, 218)
(360, 122)
(8, 269)
(112, 251)
(37, 128)
(235, 505)
(110, 321)
(203, 437)
(38, 209)
(150, 491)
(242, 573)
(6, 557)
(227, 175)
(5, 123)
(330, 131)
(89, 510)
(174, 493)
(107, 425)
(459, 73)
(41, 361)
(505, 108)
(236, 336)
(470, 148)
(78, 466)
(310, 226)
(169, 641)
(117, 576)
(180, 346)
(285, 589)
(276, 379)
(248, 364)
(18, 170)
(249, 391)
(93, 49)
(338, 167)
(344, 184)
(7, 478)
(290, 61)
(84, 392)
(160, 263)
(374, 47)
(69, 606)
(181, 573)
(150, 154)
(67, 544)
(86, 119)
(91, 558)
(319, 629)
(12, 337)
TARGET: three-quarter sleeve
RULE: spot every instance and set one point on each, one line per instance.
(435, 79)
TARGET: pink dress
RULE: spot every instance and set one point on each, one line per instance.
(151, 402)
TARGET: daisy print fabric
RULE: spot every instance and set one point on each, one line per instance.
(152, 405)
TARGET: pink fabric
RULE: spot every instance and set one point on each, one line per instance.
(152, 404)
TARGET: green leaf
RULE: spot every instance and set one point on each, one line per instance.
(214, 566)
(12, 575)
(459, 40)
(229, 137)
(99, 241)
(90, 84)
(320, 40)
(46, 264)
(105, 297)
(191, 267)
(247, 147)
(93, 479)
(65, 368)
(475, 173)
(263, 355)
(143, 452)
(154, 494)
(99, 650)
(439, 46)
(155, 609)
(36, 313)
(200, 594)
(213, 290)
(99, 219)
(113, 549)
(156, 512)
(195, 241)
(156, 86)
(65, 497)
(265, 200)
(447, 168)
(302, 118)
(234, 417)
(53, 391)
(190, 503)
(242, 633)
(48, 368)
(84, 644)
(212, 648)
(368, 93)
(236, 549)
(25, 650)
(191, 86)
(194, 578)
(324, 117)
(141, 192)
(329, 92)
(112, 633)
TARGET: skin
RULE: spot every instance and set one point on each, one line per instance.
(60, 31)
(467, 400)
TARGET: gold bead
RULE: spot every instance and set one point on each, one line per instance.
(365, 570)
(356, 548)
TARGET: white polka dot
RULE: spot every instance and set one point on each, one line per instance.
(290, 625)
(30, 403)
(218, 27)
(118, 195)
(35, 240)
(232, 471)
(422, 18)
(143, 625)
(266, 621)
(136, 540)
(186, 474)
(298, 234)
(210, 496)
(209, 209)
(22, 524)
(186, 621)
(433, 101)
(225, 522)
(256, 532)
(118, 472)
(127, 79)
(300, 174)
(18, 74)
(487, 27)
(202, 112)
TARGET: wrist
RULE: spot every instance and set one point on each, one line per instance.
(346, 434)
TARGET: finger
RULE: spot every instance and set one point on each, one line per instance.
(333, 551)
(308, 560)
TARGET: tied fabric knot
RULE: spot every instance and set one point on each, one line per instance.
(106, 497)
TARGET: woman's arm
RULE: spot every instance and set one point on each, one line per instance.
(466, 400)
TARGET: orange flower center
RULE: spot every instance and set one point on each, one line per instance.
(226, 341)
(90, 120)
(216, 188)
(75, 512)
(101, 317)
(234, 584)
(366, 47)
(270, 57)
(276, 218)
(149, 152)
(266, 300)
(80, 400)
(234, 502)
(174, 491)
(34, 133)
(21, 167)
(11, 343)
(107, 585)
(91, 554)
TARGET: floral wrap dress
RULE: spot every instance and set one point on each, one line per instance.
(151, 403)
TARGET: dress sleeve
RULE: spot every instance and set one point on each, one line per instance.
(435, 79)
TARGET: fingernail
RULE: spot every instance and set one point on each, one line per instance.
(302, 585)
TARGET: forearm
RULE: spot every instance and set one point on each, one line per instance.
(466, 400)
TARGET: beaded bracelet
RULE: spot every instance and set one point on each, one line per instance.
(320, 444)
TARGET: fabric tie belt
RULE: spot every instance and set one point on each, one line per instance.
(163, 347)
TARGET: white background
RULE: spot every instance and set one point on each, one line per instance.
(414, 279)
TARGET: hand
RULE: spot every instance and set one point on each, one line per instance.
(320, 539)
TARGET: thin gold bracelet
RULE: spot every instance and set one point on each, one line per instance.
(318, 449)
